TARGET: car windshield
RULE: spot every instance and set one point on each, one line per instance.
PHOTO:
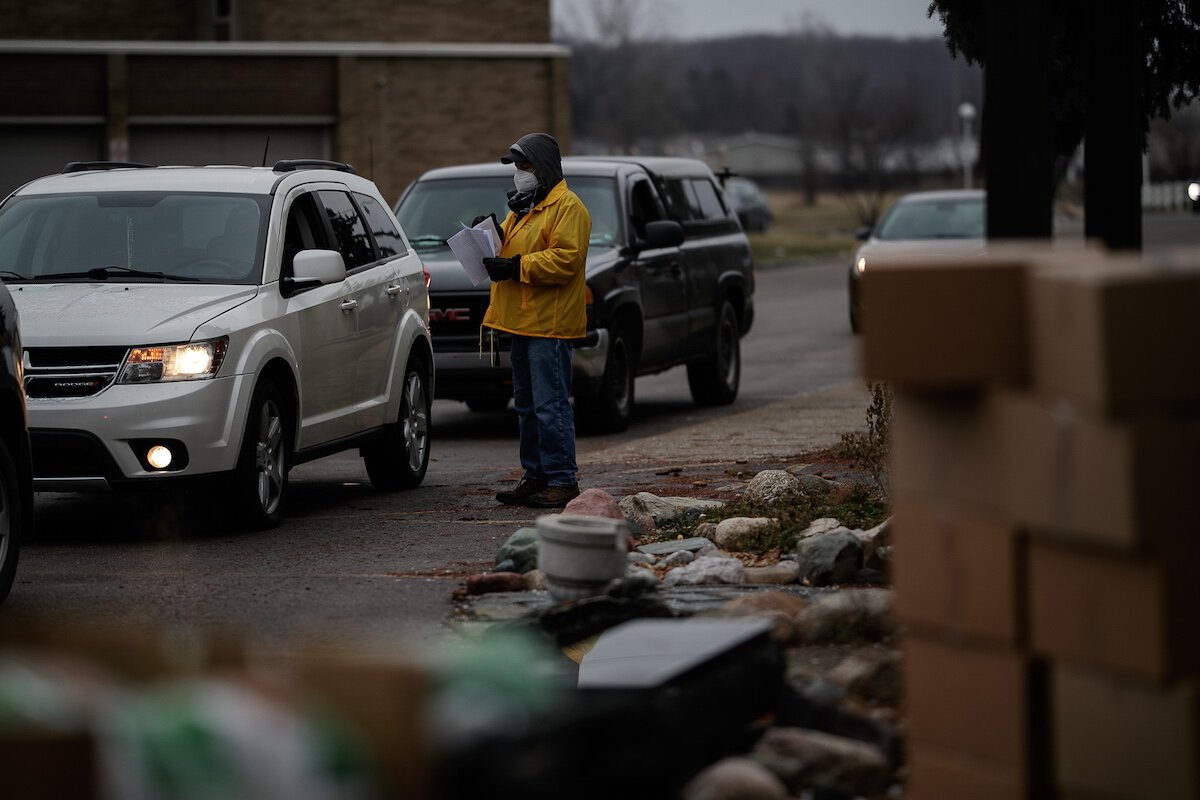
(134, 237)
(437, 209)
(934, 219)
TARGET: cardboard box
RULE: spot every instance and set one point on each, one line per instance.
(980, 701)
(1117, 333)
(383, 698)
(958, 572)
(1120, 484)
(937, 323)
(948, 447)
(1135, 615)
(936, 773)
(1125, 739)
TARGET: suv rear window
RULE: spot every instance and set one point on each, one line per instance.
(387, 239)
(348, 228)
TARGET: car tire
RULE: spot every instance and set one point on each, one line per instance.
(261, 478)
(400, 460)
(610, 410)
(715, 380)
(11, 516)
(484, 405)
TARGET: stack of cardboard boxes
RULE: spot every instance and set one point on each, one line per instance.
(1046, 493)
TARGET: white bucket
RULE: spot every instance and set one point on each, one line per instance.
(580, 555)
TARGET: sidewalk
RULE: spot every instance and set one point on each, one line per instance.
(772, 432)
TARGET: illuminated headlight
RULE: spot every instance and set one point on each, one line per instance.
(174, 362)
(861, 265)
(1194, 191)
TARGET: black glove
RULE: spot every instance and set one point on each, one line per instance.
(482, 217)
(503, 269)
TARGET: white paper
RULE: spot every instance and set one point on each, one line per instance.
(472, 245)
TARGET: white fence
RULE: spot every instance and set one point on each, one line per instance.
(1167, 196)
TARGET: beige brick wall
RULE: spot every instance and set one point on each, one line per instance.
(270, 20)
(410, 115)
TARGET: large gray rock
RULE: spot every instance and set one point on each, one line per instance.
(740, 533)
(877, 545)
(829, 558)
(694, 544)
(648, 512)
(771, 485)
(806, 759)
(815, 485)
(678, 559)
(707, 570)
(520, 549)
(735, 779)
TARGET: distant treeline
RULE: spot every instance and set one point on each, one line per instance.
(818, 87)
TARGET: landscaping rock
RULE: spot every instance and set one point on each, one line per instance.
(490, 582)
(829, 558)
(739, 533)
(851, 615)
(807, 760)
(666, 548)
(595, 503)
(707, 570)
(735, 779)
(877, 545)
(782, 608)
(870, 676)
(784, 572)
(648, 511)
(520, 549)
(705, 530)
(678, 559)
(637, 581)
(815, 485)
(536, 580)
(771, 485)
(640, 559)
(819, 526)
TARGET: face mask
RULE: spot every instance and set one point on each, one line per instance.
(526, 182)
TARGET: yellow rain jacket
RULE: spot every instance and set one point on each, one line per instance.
(552, 240)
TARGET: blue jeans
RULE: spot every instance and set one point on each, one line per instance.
(541, 393)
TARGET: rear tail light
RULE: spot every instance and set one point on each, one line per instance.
(425, 272)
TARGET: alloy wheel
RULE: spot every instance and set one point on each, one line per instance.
(416, 421)
(269, 455)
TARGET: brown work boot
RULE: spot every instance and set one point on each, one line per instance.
(553, 497)
(519, 495)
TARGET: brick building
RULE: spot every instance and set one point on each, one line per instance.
(393, 87)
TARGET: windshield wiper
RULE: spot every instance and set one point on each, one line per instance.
(8, 273)
(427, 241)
(104, 273)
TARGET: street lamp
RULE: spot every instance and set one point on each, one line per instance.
(966, 113)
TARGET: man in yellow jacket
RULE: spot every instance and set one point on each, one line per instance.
(538, 297)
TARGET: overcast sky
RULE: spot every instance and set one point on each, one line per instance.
(694, 19)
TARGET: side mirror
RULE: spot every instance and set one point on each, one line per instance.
(312, 268)
(663, 233)
(863, 233)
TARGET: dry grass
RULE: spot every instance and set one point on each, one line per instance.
(823, 229)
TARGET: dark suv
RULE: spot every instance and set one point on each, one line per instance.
(16, 476)
(670, 281)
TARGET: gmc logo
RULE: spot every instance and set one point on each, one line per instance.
(449, 315)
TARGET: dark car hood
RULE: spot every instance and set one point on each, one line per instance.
(447, 275)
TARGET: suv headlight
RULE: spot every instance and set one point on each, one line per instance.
(174, 362)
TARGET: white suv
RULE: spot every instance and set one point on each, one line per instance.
(198, 323)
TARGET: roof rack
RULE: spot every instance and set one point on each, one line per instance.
(288, 165)
(85, 166)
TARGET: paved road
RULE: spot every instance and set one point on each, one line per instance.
(350, 562)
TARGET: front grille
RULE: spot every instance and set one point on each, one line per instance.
(457, 314)
(69, 454)
(56, 372)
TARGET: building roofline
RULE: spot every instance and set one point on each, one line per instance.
(243, 48)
